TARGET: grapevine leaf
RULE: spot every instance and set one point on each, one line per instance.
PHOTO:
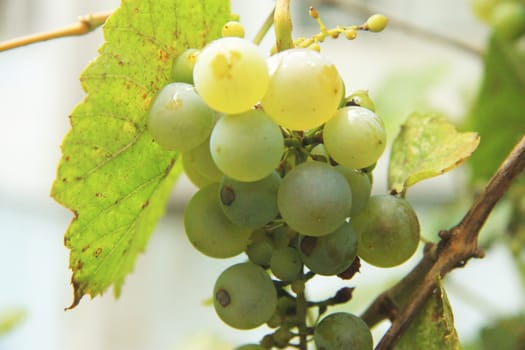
(499, 111)
(433, 327)
(113, 177)
(428, 145)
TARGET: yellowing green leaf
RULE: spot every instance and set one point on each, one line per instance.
(433, 327)
(112, 175)
(428, 145)
(498, 114)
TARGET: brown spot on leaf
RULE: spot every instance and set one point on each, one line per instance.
(145, 204)
(163, 56)
(79, 265)
(84, 248)
(98, 252)
(99, 195)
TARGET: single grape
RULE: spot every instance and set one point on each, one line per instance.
(342, 330)
(387, 231)
(182, 70)
(376, 23)
(248, 146)
(318, 153)
(233, 28)
(314, 199)
(199, 166)
(355, 137)
(209, 230)
(508, 20)
(244, 296)
(483, 8)
(304, 91)
(286, 264)
(250, 204)
(360, 98)
(359, 185)
(178, 118)
(231, 75)
(330, 254)
(261, 248)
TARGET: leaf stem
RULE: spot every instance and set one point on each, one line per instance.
(283, 25)
(268, 22)
(84, 25)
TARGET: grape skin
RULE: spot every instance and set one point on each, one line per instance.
(231, 75)
(209, 230)
(244, 296)
(387, 231)
(342, 330)
(178, 119)
(355, 137)
(314, 199)
(304, 91)
(250, 204)
(199, 166)
(248, 146)
(330, 254)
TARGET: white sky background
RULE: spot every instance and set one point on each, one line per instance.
(161, 304)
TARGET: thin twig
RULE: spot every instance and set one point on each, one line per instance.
(268, 22)
(84, 25)
(414, 30)
(402, 302)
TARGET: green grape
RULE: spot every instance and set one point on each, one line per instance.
(250, 347)
(209, 230)
(318, 153)
(376, 23)
(304, 91)
(286, 264)
(250, 204)
(483, 8)
(359, 185)
(182, 70)
(360, 98)
(314, 199)
(244, 296)
(342, 330)
(330, 254)
(231, 75)
(233, 28)
(199, 166)
(355, 137)
(178, 118)
(248, 146)
(387, 231)
(508, 20)
(260, 249)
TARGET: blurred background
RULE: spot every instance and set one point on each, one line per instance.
(164, 301)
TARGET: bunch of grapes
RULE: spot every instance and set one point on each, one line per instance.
(282, 160)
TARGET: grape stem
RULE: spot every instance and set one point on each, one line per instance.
(283, 26)
(85, 24)
(402, 302)
(264, 28)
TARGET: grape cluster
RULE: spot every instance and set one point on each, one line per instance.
(282, 160)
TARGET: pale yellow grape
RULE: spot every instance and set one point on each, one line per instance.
(248, 146)
(355, 137)
(304, 91)
(231, 75)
